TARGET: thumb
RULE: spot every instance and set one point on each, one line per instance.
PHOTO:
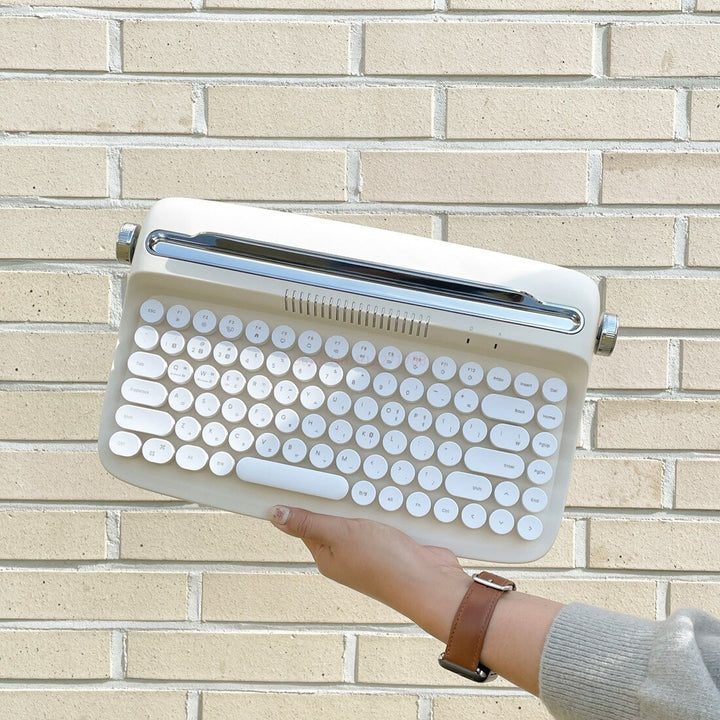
(308, 526)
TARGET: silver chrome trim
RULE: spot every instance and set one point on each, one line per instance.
(607, 334)
(125, 244)
(367, 279)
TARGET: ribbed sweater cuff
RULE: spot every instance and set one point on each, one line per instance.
(593, 664)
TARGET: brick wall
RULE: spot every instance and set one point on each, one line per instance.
(584, 133)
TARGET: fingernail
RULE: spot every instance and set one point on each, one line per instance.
(280, 514)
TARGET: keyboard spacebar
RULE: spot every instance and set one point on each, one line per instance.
(290, 477)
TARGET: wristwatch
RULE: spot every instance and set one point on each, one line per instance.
(467, 635)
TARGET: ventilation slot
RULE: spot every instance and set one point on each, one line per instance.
(367, 314)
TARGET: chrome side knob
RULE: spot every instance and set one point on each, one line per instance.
(125, 245)
(607, 334)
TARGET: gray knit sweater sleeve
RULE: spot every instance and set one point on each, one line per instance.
(599, 665)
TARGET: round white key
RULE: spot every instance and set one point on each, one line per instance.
(206, 377)
(152, 311)
(498, 379)
(367, 437)
(207, 405)
(232, 382)
(124, 444)
(390, 358)
(287, 420)
(304, 369)
(144, 392)
(259, 387)
(449, 453)
(286, 392)
(446, 510)
(509, 437)
(422, 448)
(313, 426)
(365, 408)
(187, 429)
(554, 390)
(312, 397)
(234, 410)
(158, 451)
(526, 384)
(385, 384)
(214, 434)
(241, 439)
(309, 342)
(534, 500)
(418, 504)
(439, 395)
(420, 419)
(363, 352)
(471, 374)
(267, 445)
(348, 461)
(178, 317)
(336, 347)
(430, 478)
(474, 430)
(278, 363)
(444, 368)
(191, 457)
(357, 379)
(539, 472)
(392, 414)
(252, 358)
(544, 444)
(146, 365)
(339, 403)
(257, 332)
(468, 485)
(508, 408)
(507, 493)
(473, 516)
(375, 466)
(529, 527)
(221, 463)
(466, 400)
(363, 492)
(402, 472)
(411, 389)
(417, 363)
(283, 337)
(394, 442)
(390, 498)
(549, 417)
(447, 425)
(294, 450)
(340, 431)
(225, 353)
(204, 321)
(321, 456)
(231, 327)
(180, 399)
(501, 521)
(146, 337)
(199, 348)
(260, 415)
(330, 374)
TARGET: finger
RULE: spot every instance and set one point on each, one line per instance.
(311, 527)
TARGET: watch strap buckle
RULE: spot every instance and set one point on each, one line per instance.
(481, 675)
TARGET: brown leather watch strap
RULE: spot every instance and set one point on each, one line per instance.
(467, 635)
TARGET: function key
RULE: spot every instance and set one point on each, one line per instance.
(471, 373)
(178, 317)
(417, 363)
(158, 451)
(152, 311)
(337, 347)
(124, 444)
(310, 342)
(534, 500)
(204, 321)
(526, 384)
(544, 444)
(283, 337)
(390, 358)
(539, 472)
(554, 390)
(446, 510)
(390, 498)
(257, 332)
(231, 327)
(418, 504)
(221, 464)
(444, 368)
(549, 417)
(498, 379)
(146, 337)
(363, 352)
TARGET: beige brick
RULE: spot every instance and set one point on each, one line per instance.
(52, 535)
(582, 5)
(231, 656)
(72, 595)
(664, 302)
(458, 707)
(703, 245)
(323, 4)
(478, 48)
(560, 555)
(65, 171)
(317, 112)
(261, 597)
(73, 704)
(683, 545)
(412, 224)
(234, 174)
(273, 705)
(703, 595)
(663, 50)
(474, 177)
(634, 365)
(49, 415)
(661, 178)
(51, 233)
(571, 240)
(701, 365)
(616, 483)
(56, 356)
(705, 115)
(658, 424)
(95, 107)
(63, 475)
(33, 43)
(209, 536)
(708, 5)
(697, 485)
(560, 113)
(237, 48)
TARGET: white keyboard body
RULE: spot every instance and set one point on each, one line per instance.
(351, 371)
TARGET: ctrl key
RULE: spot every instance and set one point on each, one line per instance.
(124, 444)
